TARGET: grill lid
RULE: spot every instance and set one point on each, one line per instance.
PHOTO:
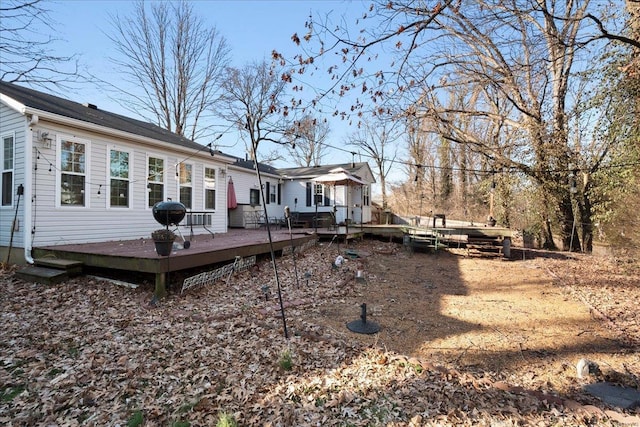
(169, 213)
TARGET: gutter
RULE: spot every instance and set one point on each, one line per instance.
(80, 124)
(28, 186)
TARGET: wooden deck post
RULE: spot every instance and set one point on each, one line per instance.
(161, 285)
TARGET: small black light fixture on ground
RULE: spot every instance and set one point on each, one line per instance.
(307, 275)
(362, 326)
(265, 291)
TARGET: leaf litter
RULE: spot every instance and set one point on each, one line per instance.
(455, 346)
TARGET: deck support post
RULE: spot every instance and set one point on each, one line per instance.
(161, 285)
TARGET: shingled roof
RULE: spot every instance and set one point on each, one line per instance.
(36, 100)
(313, 171)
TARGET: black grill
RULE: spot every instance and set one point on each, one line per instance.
(169, 213)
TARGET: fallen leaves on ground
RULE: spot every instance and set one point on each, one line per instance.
(87, 352)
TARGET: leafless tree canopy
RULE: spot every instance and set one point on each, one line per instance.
(252, 101)
(176, 62)
(378, 140)
(307, 138)
(26, 46)
(497, 82)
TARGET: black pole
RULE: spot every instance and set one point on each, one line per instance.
(271, 250)
(15, 218)
(287, 215)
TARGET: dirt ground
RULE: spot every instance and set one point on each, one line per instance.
(531, 318)
(475, 341)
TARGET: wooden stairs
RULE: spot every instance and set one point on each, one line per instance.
(50, 270)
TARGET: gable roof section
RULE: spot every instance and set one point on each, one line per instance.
(39, 101)
(250, 165)
(315, 171)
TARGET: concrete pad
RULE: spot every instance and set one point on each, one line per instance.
(44, 275)
(615, 395)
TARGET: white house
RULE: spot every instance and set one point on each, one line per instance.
(72, 173)
(343, 190)
(249, 209)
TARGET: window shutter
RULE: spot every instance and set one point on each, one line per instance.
(279, 194)
(308, 194)
(268, 194)
(327, 195)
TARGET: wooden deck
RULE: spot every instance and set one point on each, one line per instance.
(140, 255)
(204, 250)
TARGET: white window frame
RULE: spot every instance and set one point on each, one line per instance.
(163, 175)
(128, 179)
(366, 195)
(206, 187)
(316, 193)
(87, 169)
(12, 171)
(273, 193)
(186, 184)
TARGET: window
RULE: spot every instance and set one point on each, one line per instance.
(271, 192)
(254, 197)
(209, 188)
(7, 155)
(365, 195)
(186, 180)
(119, 183)
(318, 194)
(327, 195)
(322, 194)
(73, 171)
(155, 180)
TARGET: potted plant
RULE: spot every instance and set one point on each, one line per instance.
(163, 239)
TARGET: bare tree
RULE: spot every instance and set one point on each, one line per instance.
(307, 138)
(176, 61)
(25, 50)
(377, 139)
(252, 101)
(515, 61)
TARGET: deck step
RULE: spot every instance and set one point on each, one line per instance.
(44, 275)
(72, 267)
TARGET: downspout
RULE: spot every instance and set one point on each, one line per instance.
(28, 188)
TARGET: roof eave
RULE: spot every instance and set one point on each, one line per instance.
(110, 131)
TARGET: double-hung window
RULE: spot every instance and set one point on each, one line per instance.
(119, 164)
(365, 195)
(7, 157)
(155, 180)
(185, 175)
(73, 172)
(318, 194)
(209, 188)
(254, 197)
(272, 193)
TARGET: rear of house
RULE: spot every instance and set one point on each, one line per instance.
(72, 173)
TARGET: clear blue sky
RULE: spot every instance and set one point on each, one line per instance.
(252, 28)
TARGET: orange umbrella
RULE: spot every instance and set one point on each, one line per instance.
(232, 202)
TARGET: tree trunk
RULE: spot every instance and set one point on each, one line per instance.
(547, 233)
(568, 229)
(586, 214)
